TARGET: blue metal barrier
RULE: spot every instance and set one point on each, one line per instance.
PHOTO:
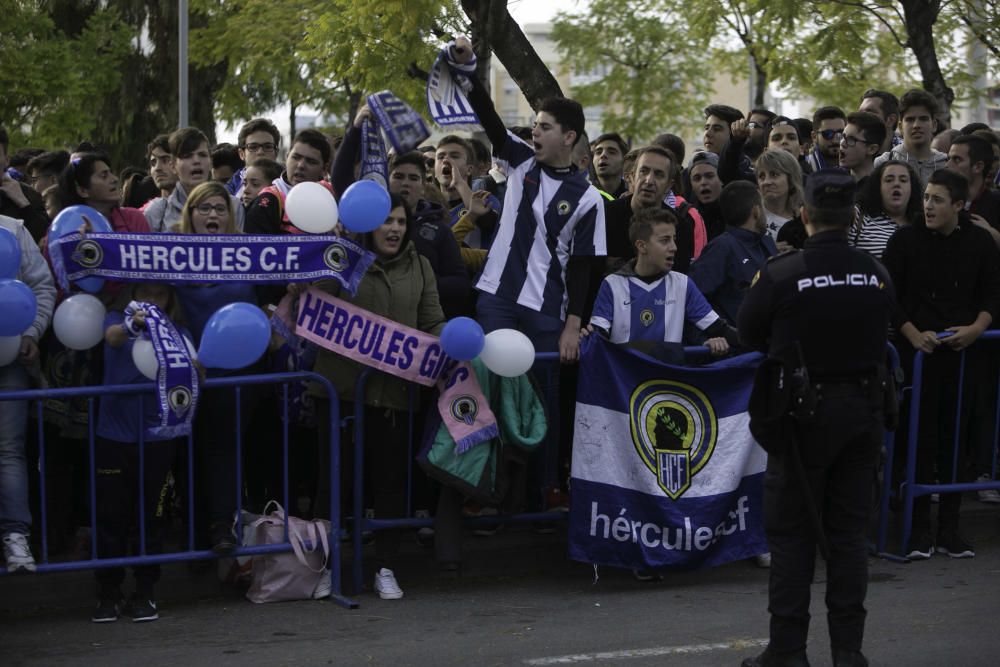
(191, 553)
(549, 468)
(910, 489)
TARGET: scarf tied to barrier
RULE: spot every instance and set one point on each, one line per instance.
(403, 127)
(448, 86)
(177, 385)
(403, 352)
(209, 258)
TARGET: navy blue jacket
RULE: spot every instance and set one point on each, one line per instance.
(727, 266)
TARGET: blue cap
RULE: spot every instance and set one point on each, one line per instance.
(830, 188)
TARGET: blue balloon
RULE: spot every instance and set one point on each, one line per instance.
(235, 336)
(462, 338)
(364, 206)
(19, 307)
(68, 221)
(10, 254)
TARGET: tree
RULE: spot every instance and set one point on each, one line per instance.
(54, 83)
(499, 32)
(915, 25)
(766, 30)
(650, 71)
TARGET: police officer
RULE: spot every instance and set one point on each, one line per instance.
(822, 315)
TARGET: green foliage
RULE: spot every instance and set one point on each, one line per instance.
(54, 85)
(315, 53)
(652, 73)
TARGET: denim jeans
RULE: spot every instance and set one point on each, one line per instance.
(14, 514)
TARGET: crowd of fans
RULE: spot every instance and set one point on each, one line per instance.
(540, 229)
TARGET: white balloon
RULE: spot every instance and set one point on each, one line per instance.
(79, 322)
(10, 347)
(144, 357)
(508, 352)
(311, 208)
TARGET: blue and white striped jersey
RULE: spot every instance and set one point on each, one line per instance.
(548, 216)
(630, 309)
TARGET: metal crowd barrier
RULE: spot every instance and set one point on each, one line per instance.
(549, 465)
(909, 489)
(191, 553)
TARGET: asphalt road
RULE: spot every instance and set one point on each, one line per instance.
(519, 601)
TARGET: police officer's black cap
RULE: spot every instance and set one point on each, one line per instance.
(830, 188)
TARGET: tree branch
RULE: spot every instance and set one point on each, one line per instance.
(881, 19)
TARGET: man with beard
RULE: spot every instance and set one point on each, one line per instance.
(917, 109)
(828, 129)
(728, 264)
(609, 160)
(885, 105)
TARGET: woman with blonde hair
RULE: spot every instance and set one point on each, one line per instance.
(210, 210)
(779, 178)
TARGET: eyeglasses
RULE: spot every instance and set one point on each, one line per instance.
(851, 142)
(260, 148)
(831, 134)
(205, 209)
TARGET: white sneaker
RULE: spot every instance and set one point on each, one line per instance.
(323, 587)
(763, 560)
(17, 553)
(987, 495)
(386, 586)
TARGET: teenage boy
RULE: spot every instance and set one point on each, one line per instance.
(860, 144)
(705, 188)
(537, 273)
(917, 109)
(646, 301)
(191, 162)
(43, 170)
(828, 128)
(947, 278)
(258, 139)
(158, 157)
(718, 126)
(307, 161)
(609, 164)
(726, 268)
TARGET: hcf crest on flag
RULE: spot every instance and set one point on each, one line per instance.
(665, 471)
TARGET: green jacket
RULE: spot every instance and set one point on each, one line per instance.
(402, 289)
(481, 472)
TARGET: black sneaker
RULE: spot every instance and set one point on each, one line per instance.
(771, 659)
(223, 540)
(107, 611)
(921, 547)
(951, 543)
(142, 610)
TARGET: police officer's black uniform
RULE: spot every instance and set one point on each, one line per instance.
(825, 308)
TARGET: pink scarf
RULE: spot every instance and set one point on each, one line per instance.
(404, 352)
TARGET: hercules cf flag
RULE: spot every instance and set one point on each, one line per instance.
(665, 471)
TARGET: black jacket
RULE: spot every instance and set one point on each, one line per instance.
(943, 281)
(35, 219)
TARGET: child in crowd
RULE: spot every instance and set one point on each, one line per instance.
(646, 302)
(258, 176)
(123, 427)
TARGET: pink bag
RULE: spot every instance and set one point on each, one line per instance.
(289, 576)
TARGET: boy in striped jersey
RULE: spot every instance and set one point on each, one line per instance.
(552, 226)
(646, 301)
